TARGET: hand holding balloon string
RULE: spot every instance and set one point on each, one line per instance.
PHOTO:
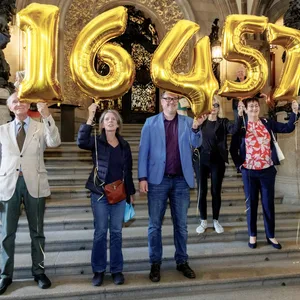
(92, 111)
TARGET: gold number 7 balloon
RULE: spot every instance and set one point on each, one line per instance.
(40, 23)
(92, 40)
(289, 82)
(199, 84)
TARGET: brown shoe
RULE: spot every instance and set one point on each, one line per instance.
(186, 270)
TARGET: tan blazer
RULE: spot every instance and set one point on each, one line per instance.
(31, 158)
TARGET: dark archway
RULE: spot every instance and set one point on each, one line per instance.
(140, 40)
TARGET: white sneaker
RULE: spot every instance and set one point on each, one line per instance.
(218, 227)
(202, 227)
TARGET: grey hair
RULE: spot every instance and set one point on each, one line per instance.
(118, 118)
(8, 100)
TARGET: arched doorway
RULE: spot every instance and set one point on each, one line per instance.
(140, 40)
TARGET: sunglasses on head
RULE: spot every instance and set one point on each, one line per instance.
(216, 105)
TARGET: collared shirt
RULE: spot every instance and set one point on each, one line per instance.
(18, 125)
(173, 163)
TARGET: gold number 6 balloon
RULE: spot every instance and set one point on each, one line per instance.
(199, 85)
(92, 40)
(40, 23)
(234, 50)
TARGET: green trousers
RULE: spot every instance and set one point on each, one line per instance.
(10, 212)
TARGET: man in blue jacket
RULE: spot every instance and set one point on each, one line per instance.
(165, 171)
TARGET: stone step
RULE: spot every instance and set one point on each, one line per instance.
(277, 292)
(73, 220)
(87, 168)
(79, 191)
(83, 204)
(133, 237)
(248, 281)
(230, 184)
(230, 255)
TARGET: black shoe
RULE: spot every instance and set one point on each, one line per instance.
(43, 281)
(98, 278)
(252, 246)
(276, 246)
(4, 283)
(155, 273)
(118, 278)
(186, 270)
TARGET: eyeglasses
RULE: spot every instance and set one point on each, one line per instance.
(216, 105)
(169, 99)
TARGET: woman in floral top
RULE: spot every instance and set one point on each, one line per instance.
(254, 155)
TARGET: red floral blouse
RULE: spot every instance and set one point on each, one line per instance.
(258, 151)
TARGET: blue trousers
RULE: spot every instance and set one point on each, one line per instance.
(178, 192)
(263, 182)
(107, 216)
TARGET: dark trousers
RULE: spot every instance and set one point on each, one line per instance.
(10, 210)
(262, 181)
(217, 171)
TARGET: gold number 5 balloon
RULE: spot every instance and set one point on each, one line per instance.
(234, 50)
(40, 23)
(92, 40)
(199, 85)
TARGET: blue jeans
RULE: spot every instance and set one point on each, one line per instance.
(107, 215)
(178, 192)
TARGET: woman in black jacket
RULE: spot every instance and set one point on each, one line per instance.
(112, 161)
(255, 156)
(213, 156)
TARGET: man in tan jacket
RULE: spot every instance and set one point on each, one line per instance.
(23, 178)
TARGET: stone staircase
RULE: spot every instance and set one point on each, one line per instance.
(223, 262)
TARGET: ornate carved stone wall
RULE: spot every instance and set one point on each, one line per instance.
(165, 14)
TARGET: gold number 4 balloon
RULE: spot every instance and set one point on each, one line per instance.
(92, 40)
(40, 23)
(199, 85)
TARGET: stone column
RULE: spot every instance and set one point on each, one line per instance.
(67, 123)
(4, 112)
(288, 176)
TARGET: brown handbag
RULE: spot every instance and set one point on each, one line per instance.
(115, 191)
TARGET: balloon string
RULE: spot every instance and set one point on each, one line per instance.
(296, 148)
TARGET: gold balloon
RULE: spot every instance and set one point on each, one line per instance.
(40, 24)
(92, 41)
(199, 84)
(289, 82)
(235, 50)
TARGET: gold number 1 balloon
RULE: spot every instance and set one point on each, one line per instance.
(92, 40)
(199, 85)
(40, 23)
(234, 50)
(289, 82)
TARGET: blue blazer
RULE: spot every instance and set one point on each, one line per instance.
(152, 152)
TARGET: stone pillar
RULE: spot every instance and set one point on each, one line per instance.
(4, 112)
(288, 176)
(67, 123)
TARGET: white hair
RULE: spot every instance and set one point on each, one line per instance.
(9, 99)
